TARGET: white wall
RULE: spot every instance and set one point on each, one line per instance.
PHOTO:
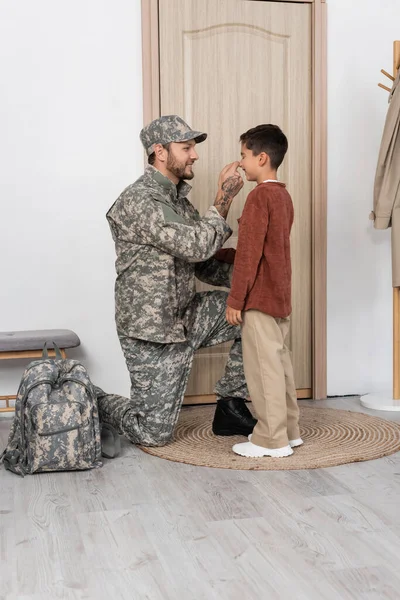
(70, 114)
(360, 37)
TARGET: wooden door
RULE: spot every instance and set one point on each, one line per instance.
(227, 66)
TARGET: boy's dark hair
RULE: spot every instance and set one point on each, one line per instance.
(269, 139)
(152, 158)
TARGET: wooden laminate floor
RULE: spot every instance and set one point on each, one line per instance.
(144, 528)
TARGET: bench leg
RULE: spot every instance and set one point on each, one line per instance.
(7, 407)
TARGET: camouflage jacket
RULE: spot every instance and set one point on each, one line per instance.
(162, 244)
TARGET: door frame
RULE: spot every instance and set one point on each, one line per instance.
(151, 110)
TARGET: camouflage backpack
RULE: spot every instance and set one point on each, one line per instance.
(56, 425)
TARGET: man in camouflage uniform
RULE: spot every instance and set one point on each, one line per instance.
(162, 244)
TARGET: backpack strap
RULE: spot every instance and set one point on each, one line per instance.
(11, 460)
(13, 457)
(45, 353)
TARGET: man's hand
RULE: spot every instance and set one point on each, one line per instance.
(230, 183)
(227, 172)
(233, 316)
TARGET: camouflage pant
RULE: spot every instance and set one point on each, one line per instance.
(160, 372)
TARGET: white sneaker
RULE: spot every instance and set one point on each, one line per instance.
(250, 450)
(295, 443)
(292, 443)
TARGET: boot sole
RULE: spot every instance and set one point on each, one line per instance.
(230, 432)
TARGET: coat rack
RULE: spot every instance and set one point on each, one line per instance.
(396, 291)
(378, 402)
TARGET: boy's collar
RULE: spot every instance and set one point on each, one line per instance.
(273, 181)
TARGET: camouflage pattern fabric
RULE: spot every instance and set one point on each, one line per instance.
(160, 372)
(168, 128)
(161, 244)
(214, 272)
(56, 425)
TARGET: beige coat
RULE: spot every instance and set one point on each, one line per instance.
(386, 211)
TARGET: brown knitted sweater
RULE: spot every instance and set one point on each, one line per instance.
(262, 269)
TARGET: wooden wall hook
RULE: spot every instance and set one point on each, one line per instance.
(387, 74)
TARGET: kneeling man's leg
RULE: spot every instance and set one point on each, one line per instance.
(208, 327)
(159, 375)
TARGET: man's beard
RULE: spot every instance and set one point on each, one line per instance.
(181, 171)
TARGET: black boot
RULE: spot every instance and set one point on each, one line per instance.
(232, 417)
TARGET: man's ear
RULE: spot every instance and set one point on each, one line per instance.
(160, 152)
(263, 159)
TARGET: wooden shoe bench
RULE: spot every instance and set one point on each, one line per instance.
(29, 344)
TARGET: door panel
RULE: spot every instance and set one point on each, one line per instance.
(227, 66)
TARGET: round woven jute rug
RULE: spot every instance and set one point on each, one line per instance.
(331, 437)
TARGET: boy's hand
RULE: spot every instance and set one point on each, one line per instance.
(233, 316)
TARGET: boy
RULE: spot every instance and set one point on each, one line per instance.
(260, 296)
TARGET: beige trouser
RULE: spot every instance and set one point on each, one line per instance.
(270, 381)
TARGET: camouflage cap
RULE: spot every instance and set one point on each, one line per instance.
(169, 128)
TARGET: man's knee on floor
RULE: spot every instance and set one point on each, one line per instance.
(156, 441)
(154, 436)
